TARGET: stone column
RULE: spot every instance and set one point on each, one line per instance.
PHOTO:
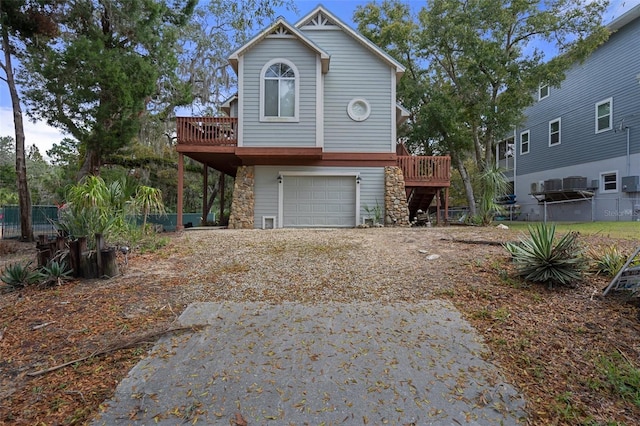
(242, 204)
(395, 198)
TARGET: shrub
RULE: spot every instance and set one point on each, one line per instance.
(17, 276)
(55, 273)
(606, 261)
(540, 258)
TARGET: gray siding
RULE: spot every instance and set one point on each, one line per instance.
(354, 72)
(609, 72)
(613, 206)
(300, 134)
(266, 187)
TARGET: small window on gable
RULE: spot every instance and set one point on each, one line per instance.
(543, 91)
(279, 91)
(604, 115)
(609, 182)
(554, 132)
(524, 142)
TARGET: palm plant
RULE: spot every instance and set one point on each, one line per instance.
(540, 258)
(148, 200)
(493, 184)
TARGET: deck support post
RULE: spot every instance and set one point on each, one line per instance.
(438, 206)
(205, 197)
(221, 188)
(446, 205)
(179, 225)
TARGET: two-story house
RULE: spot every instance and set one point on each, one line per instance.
(577, 155)
(310, 136)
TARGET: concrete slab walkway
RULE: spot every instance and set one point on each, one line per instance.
(296, 364)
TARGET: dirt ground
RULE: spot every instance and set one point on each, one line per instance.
(552, 344)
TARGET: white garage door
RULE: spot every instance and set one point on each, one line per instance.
(319, 201)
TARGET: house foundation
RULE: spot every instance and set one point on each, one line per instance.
(242, 205)
(395, 197)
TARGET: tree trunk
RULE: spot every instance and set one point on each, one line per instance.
(24, 197)
(90, 165)
(466, 180)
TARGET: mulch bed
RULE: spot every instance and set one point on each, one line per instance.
(550, 343)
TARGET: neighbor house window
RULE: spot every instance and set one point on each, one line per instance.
(543, 91)
(524, 142)
(554, 132)
(604, 116)
(279, 91)
(609, 182)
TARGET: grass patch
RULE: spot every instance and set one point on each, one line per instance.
(623, 379)
(620, 230)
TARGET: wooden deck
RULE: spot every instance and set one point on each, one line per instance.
(211, 131)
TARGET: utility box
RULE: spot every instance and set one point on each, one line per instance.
(631, 184)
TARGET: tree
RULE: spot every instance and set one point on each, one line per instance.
(475, 64)
(8, 192)
(20, 20)
(95, 80)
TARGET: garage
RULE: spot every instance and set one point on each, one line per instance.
(317, 201)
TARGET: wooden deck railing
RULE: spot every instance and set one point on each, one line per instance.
(215, 131)
(425, 168)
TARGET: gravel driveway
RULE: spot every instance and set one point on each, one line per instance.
(317, 327)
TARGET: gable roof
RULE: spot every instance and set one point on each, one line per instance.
(384, 56)
(280, 22)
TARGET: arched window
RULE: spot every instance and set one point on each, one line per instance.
(279, 97)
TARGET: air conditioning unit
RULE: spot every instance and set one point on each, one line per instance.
(574, 182)
(553, 185)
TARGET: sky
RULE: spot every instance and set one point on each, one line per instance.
(44, 136)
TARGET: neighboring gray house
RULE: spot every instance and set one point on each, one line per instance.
(577, 156)
(310, 136)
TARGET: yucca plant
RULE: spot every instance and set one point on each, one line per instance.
(17, 276)
(540, 258)
(606, 261)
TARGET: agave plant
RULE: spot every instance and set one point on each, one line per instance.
(55, 273)
(540, 258)
(17, 276)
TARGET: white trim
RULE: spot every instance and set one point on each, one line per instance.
(320, 28)
(559, 121)
(241, 112)
(296, 108)
(601, 188)
(319, 104)
(605, 101)
(358, 184)
(264, 222)
(355, 116)
(528, 132)
(285, 173)
(280, 201)
(540, 97)
(318, 173)
(394, 124)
